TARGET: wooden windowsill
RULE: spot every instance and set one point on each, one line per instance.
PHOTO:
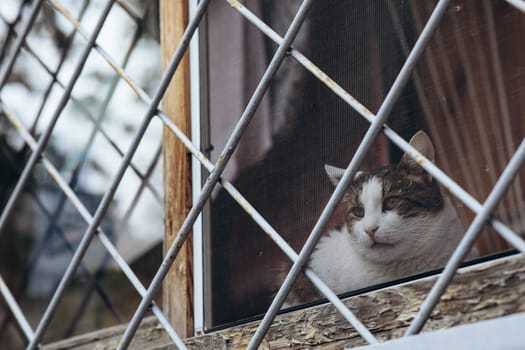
(480, 292)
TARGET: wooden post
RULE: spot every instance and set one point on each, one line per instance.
(178, 286)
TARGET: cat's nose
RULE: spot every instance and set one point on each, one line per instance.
(371, 231)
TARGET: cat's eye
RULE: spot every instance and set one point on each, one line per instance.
(358, 212)
(390, 203)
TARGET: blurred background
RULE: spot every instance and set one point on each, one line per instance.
(86, 147)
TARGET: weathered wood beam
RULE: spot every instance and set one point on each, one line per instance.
(480, 292)
(177, 293)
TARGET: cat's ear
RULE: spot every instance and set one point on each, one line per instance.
(335, 174)
(409, 165)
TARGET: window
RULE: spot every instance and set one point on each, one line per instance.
(360, 80)
(300, 124)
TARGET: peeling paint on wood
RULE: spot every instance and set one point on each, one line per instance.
(478, 293)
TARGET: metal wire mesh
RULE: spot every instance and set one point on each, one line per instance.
(37, 155)
(70, 203)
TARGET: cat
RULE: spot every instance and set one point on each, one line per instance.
(398, 222)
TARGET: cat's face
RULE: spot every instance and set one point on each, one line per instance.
(388, 212)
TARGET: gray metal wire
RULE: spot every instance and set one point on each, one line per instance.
(377, 125)
(495, 196)
(519, 4)
(506, 233)
(119, 70)
(288, 247)
(44, 138)
(212, 179)
(54, 217)
(109, 194)
(15, 309)
(364, 146)
(77, 203)
(20, 42)
(456, 190)
(54, 73)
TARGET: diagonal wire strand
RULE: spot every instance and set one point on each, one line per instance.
(215, 174)
(11, 25)
(449, 111)
(519, 4)
(495, 196)
(68, 44)
(93, 119)
(20, 42)
(433, 170)
(42, 142)
(456, 190)
(347, 98)
(371, 116)
(88, 218)
(16, 310)
(429, 114)
(372, 132)
(502, 98)
(109, 194)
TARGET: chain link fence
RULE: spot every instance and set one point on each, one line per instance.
(38, 130)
